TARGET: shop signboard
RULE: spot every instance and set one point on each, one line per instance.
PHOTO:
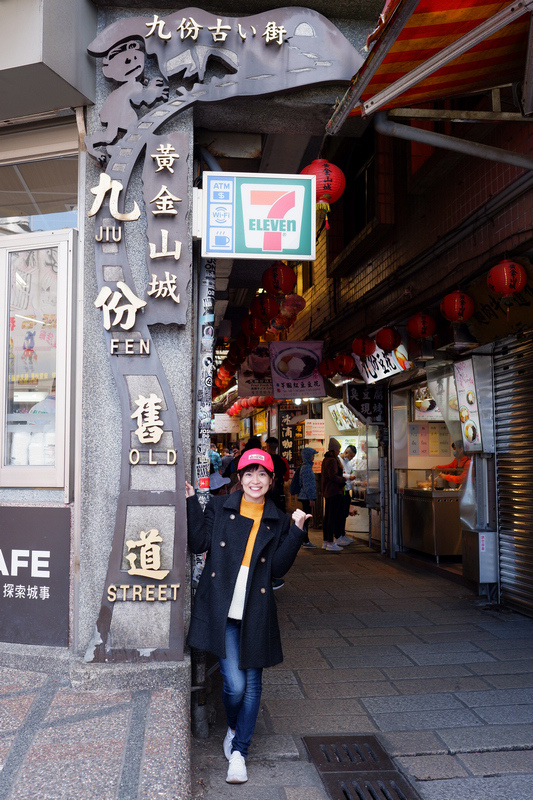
(468, 406)
(294, 368)
(254, 377)
(344, 419)
(291, 435)
(224, 424)
(260, 423)
(246, 215)
(368, 403)
(315, 429)
(34, 572)
(381, 365)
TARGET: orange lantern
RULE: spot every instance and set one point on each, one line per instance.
(264, 307)
(279, 279)
(344, 364)
(421, 326)
(363, 346)
(388, 339)
(327, 368)
(457, 307)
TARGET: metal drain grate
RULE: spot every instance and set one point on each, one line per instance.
(357, 768)
(368, 786)
(347, 753)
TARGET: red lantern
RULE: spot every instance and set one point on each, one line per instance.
(457, 307)
(388, 339)
(218, 382)
(421, 326)
(344, 364)
(269, 400)
(507, 278)
(245, 402)
(251, 326)
(264, 307)
(327, 368)
(279, 279)
(363, 346)
(330, 182)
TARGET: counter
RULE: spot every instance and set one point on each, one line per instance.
(430, 521)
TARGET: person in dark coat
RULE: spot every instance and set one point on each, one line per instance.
(333, 481)
(248, 542)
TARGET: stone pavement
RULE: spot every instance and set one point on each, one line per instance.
(444, 681)
(371, 646)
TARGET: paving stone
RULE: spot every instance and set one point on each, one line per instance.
(353, 689)
(358, 659)
(496, 697)
(390, 619)
(425, 720)
(506, 653)
(431, 768)
(426, 685)
(412, 743)
(510, 681)
(498, 762)
(282, 691)
(279, 675)
(438, 647)
(430, 671)
(327, 725)
(517, 788)
(451, 658)
(335, 621)
(274, 747)
(288, 708)
(499, 668)
(487, 737)
(310, 676)
(310, 793)
(415, 702)
(502, 715)
(382, 641)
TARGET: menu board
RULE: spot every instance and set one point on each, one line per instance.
(315, 429)
(468, 407)
(428, 439)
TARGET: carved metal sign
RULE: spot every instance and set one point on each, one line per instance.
(199, 57)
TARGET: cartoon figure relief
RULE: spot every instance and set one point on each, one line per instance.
(124, 64)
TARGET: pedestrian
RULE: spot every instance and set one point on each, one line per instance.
(226, 459)
(347, 460)
(215, 460)
(333, 481)
(281, 472)
(248, 542)
(307, 493)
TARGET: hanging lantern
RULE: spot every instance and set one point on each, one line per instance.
(251, 326)
(264, 307)
(344, 364)
(507, 278)
(279, 279)
(330, 183)
(269, 400)
(457, 307)
(292, 305)
(363, 346)
(218, 382)
(327, 368)
(421, 326)
(388, 339)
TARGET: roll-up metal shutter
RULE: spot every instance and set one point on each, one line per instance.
(513, 395)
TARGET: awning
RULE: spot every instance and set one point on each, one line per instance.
(428, 50)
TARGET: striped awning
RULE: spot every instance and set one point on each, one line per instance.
(426, 50)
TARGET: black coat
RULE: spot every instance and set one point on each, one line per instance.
(223, 533)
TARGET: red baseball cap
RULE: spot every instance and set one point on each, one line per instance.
(256, 457)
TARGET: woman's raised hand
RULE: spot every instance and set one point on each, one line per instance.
(299, 517)
(189, 491)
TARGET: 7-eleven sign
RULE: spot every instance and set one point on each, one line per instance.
(254, 216)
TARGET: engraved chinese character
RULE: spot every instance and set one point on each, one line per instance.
(149, 556)
(109, 301)
(32, 592)
(164, 201)
(189, 28)
(44, 592)
(164, 247)
(9, 589)
(147, 416)
(219, 32)
(165, 156)
(164, 288)
(20, 592)
(274, 33)
(157, 24)
(114, 187)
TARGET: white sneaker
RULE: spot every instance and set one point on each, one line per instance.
(331, 547)
(237, 769)
(344, 541)
(226, 744)
(324, 545)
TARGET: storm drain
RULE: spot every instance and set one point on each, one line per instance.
(357, 768)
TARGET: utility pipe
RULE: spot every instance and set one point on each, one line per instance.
(388, 128)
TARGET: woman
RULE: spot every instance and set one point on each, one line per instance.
(307, 492)
(248, 543)
(333, 481)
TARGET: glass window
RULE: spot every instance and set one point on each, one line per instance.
(36, 271)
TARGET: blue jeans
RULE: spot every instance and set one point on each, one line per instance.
(241, 690)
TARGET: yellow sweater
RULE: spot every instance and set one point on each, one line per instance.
(253, 511)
